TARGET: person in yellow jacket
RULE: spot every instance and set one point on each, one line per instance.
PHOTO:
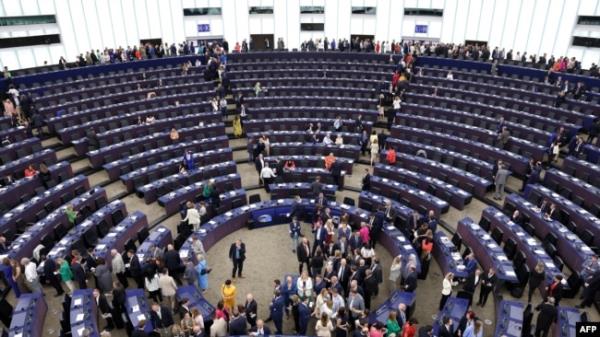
(228, 292)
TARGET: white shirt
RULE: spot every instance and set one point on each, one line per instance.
(198, 247)
(396, 104)
(192, 216)
(152, 285)
(339, 141)
(31, 272)
(327, 140)
(267, 172)
(304, 287)
(446, 287)
(450, 76)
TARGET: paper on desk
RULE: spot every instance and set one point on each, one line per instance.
(77, 301)
(135, 308)
(79, 317)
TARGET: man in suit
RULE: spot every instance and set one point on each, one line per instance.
(276, 310)
(135, 269)
(237, 254)
(500, 182)
(238, 325)
(401, 317)
(3, 245)
(52, 276)
(377, 271)
(303, 317)
(446, 328)
(472, 282)
(371, 287)
(546, 317)
(366, 180)
(79, 273)
(343, 273)
(336, 173)
(173, 262)
(259, 163)
(184, 307)
(303, 253)
(251, 308)
(355, 241)
(431, 220)
(316, 187)
(320, 201)
(104, 308)
(162, 318)
(376, 225)
(488, 282)
(410, 283)
(260, 329)
(297, 209)
(320, 235)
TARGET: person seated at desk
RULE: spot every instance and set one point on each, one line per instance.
(71, 214)
(431, 220)
(327, 139)
(329, 160)
(503, 137)
(150, 119)
(188, 160)
(517, 218)
(289, 166)
(366, 180)
(579, 90)
(7, 180)
(30, 171)
(339, 140)
(174, 135)
(258, 90)
(552, 213)
(576, 146)
(237, 126)
(45, 175)
(338, 124)
(390, 156)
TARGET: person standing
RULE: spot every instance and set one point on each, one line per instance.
(500, 181)
(168, 287)
(251, 309)
(228, 292)
(447, 285)
(118, 267)
(303, 254)
(237, 254)
(537, 276)
(295, 232)
(202, 270)
(546, 317)
(66, 275)
(488, 282)
(276, 309)
(192, 216)
(32, 280)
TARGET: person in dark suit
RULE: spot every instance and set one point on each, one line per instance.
(251, 309)
(376, 223)
(184, 307)
(555, 289)
(488, 282)
(366, 180)
(553, 212)
(161, 317)
(371, 287)
(135, 269)
(237, 254)
(51, 275)
(238, 325)
(446, 328)
(546, 317)
(260, 329)
(276, 310)
(79, 273)
(104, 308)
(472, 282)
(316, 187)
(336, 173)
(259, 163)
(320, 235)
(297, 209)
(410, 283)
(303, 317)
(303, 253)
(173, 262)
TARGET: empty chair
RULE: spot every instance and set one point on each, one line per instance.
(510, 248)
(130, 245)
(90, 238)
(574, 282)
(117, 216)
(485, 224)
(457, 240)
(102, 228)
(559, 263)
(497, 234)
(519, 258)
(550, 249)
(551, 237)
(143, 234)
(587, 237)
(349, 201)
(254, 198)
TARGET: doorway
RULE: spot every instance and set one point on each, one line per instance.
(262, 41)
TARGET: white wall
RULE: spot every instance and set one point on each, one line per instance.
(535, 26)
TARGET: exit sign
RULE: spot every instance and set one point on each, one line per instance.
(203, 28)
(422, 29)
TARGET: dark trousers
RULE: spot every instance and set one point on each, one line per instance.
(268, 181)
(55, 282)
(484, 292)
(123, 279)
(542, 330)
(278, 321)
(301, 264)
(238, 265)
(443, 301)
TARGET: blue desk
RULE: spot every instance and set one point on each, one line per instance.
(84, 313)
(509, 318)
(120, 234)
(197, 301)
(565, 323)
(74, 239)
(16, 167)
(530, 246)
(269, 119)
(304, 190)
(570, 247)
(138, 309)
(516, 145)
(448, 256)
(592, 153)
(391, 304)
(128, 164)
(371, 202)
(555, 180)
(27, 186)
(408, 195)
(487, 252)
(311, 161)
(295, 148)
(396, 244)
(488, 153)
(26, 212)
(455, 196)
(29, 316)
(455, 308)
(347, 102)
(160, 237)
(172, 200)
(582, 169)
(28, 146)
(286, 136)
(471, 164)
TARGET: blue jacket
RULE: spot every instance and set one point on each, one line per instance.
(303, 318)
(277, 306)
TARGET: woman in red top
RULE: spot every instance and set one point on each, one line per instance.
(426, 248)
(30, 171)
(410, 328)
(390, 157)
